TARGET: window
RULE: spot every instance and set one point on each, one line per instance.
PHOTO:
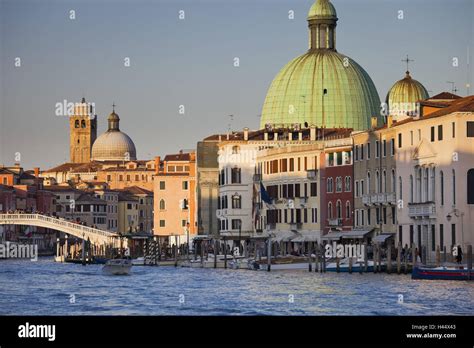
(453, 129)
(399, 140)
(384, 181)
(470, 129)
(440, 132)
(184, 203)
(369, 217)
(236, 176)
(357, 188)
(237, 224)
(368, 183)
(339, 184)
(441, 184)
(185, 185)
(362, 217)
(433, 237)
(362, 188)
(330, 210)
(183, 223)
(377, 149)
(394, 216)
(162, 185)
(348, 210)
(400, 188)
(412, 232)
(292, 164)
(368, 150)
(162, 223)
(441, 236)
(392, 147)
(339, 209)
(454, 187)
(314, 189)
(76, 124)
(411, 138)
(314, 215)
(453, 234)
(419, 134)
(162, 204)
(361, 152)
(329, 184)
(470, 186)
(384, 148)
(400, 234)
(236, 202)
(432, 134)
(120, 177)
(347, 186)
(235, 150)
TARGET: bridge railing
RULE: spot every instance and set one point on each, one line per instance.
(58, 222)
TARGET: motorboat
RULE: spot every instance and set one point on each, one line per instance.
(357, 266)
(279, 263)
(443, 273)
(139, 261)
(117, 267)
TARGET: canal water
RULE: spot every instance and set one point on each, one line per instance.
(48, 288)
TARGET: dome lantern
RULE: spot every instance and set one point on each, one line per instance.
(322, 22)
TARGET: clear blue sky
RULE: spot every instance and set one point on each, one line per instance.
(190, 62)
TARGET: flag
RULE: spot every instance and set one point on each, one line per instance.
(264, 194)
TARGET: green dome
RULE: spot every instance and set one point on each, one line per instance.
(322, 8)
(403, 96)
(296, 94)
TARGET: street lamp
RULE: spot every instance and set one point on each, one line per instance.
(457, 213)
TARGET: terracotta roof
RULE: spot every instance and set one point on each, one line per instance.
(63, 167)
(87, 197)
(135, 190)
(445, 95)
(465, 104)
(61, 188)
(178, 157)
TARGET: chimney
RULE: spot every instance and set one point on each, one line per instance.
(37, 171)
(192, 156)
(265, 136)
(312, 133)
(246, 133)
(389, 121)
(373, 122)
(157, 164)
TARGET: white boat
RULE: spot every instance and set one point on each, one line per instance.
(279, 264)
(139, 261)
(117, 267)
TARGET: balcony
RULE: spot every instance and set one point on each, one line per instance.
(422, 210)
(296, 226)
(312, 174)
(379, 198)
(366, 199)
(335, 222)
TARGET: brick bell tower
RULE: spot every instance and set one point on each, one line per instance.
(82, 132)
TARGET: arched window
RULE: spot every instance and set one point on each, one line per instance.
(339, 209)
(83, 124)
(470, 186)
(418, 185)
(339, 184)
(394, 183)
(235, 150)
(330, 210)
(400, 188)
(162, 204)
(348, 185)
(76, 124)
(377, 182)
(441, 185)
(426, 184)
(384, 181)
(329, 185)
(348, 210)
(368, 183)
(411, 188)
(454, 187)
(433, 184)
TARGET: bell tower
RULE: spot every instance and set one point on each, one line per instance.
(82, 132)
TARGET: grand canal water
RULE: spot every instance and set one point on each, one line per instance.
(48, 288)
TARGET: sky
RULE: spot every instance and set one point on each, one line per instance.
(190, 62)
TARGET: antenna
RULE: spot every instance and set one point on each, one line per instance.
(468, 84)
(231, 118)
(453, 87)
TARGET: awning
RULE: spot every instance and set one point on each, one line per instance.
(381, 238)
(305, 238)
(355, 234)
(283, 236)
(332, 236)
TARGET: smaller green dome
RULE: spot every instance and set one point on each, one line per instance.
(403, 96)
(322, 8)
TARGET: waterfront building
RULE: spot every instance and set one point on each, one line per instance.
(127, 213)
(207, 185)
(144, 199)
(175, 198)
(321, 87)
(435, 167)
(111, 198)
(375, 182)
(337, 184)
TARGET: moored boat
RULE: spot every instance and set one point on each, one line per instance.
(442, 273)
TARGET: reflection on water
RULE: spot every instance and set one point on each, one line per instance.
(48, 288)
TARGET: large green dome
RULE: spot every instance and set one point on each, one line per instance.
(404, 95)
(322, 87)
